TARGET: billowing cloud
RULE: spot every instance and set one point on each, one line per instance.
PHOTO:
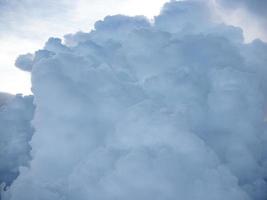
(172, 109)
(25, 25)
(250, 14)
(25, 62)
(257, 7)
(16, 113)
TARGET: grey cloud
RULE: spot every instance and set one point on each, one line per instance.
(16, 113)
(257, 7)
(25, 62)
(5, 98)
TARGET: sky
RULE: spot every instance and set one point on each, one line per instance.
(25, 25)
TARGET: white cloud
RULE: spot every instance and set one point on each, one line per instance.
(29, 23)
(26, 25)
(135, 110)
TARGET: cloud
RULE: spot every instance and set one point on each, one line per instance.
(25, 62)
(22, 17)
(22, 20)
(4, 98)
(172, 109)
(257, 7)
(16, 112)
(251, 13)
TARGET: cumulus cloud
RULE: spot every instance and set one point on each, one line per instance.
(257, 7)
(4, 98)
(172, 109)
(16, 112)
(25, 62)
(26, 25)
(251, 13)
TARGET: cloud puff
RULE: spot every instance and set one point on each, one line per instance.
(16, 112)
(25, 62)
(137, 110)
(254, 17)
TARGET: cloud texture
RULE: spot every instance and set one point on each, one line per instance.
(252, 13)
(16, 131)
(135, 110)
(257, 7)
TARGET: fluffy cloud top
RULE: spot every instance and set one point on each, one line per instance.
(257, 7)
(25, 62)
(250, 13)
(137, 110)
